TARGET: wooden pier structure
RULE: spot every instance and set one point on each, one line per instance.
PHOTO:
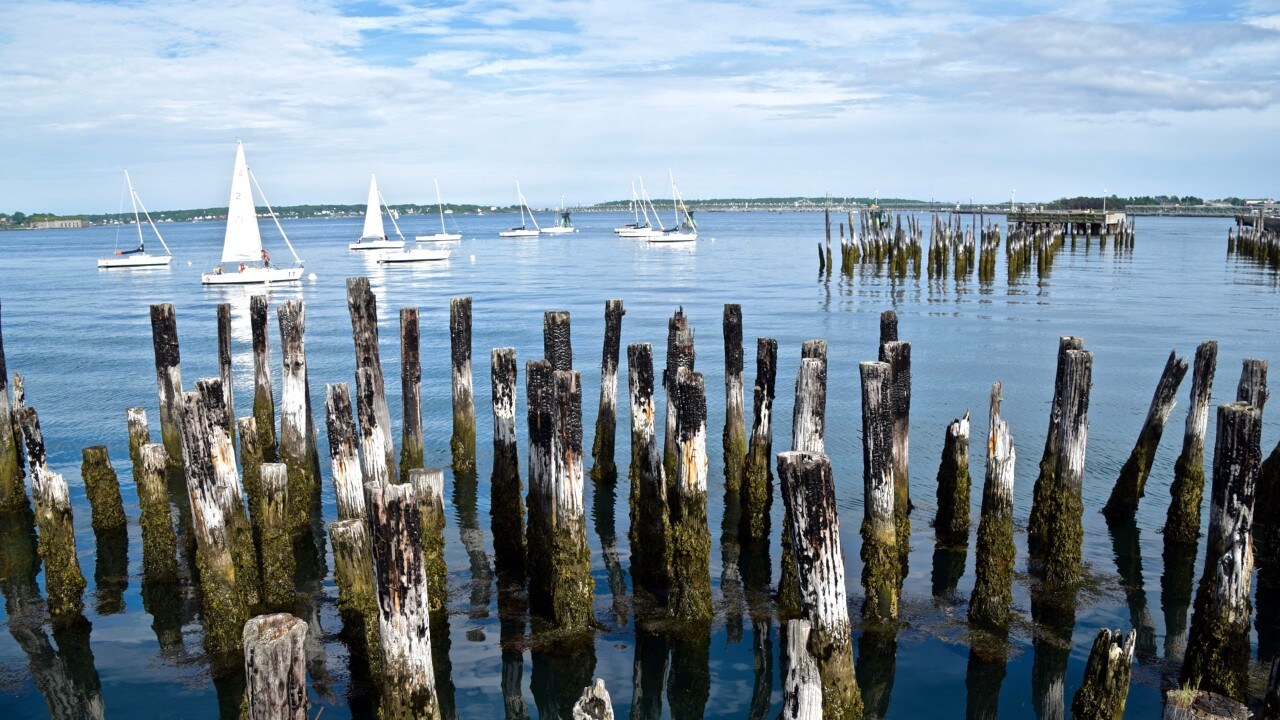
(1071, 222)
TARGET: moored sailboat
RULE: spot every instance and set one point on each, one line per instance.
(242, 243)
(685, 229)
(444, 235)
(138, 257)
(563, 224)
(522, 231)
(374, 235)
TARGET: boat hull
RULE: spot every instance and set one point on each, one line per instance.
(415, 255)
(518, 233)
(135, 261)
(558, 231)
(675, 237)
(438, 238)
(377, 245)
(253, 276)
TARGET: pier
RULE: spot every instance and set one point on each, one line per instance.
(1071, 222)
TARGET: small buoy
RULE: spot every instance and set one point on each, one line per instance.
(188, 263)
(473, 259)
(312, 277)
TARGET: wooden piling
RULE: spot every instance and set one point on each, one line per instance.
(809, 494)
(377, 457)
(1271, 701)
(64, 582)
(164, 339)
(353, 574)
(506, 505)
(991, 603)
(251, 459)
(602, 447)
(888, 327)
(400, 576)
(1105, 688)
(1218, 646)
(650, 546)
(411, 444)
(557, 347)
(595, 703)
(1130, 486)
(951, 523)
(1253, 383)
(275, 668)
(690, 536)
(159, 542)
(757, 489)
(13, 490)
(881, 565)
(272, 522)
(1183, 521)
(297, 428)
(344, 460)
(897, 355)
(139, 435)
(463, 442)
(735, 423)
(680, 353)
(1192, 704)
(225, 556)
(808, 428)
(264, 402)
(224, 364)
(801, 684)
(103, 489)
(428, 489)
(1055, 531)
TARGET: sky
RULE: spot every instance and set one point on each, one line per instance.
(905, 98)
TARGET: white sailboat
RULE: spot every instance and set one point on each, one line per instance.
(635, 212)
(647, 229)
(563, 224)
(242, 243)
(443, 235)
(685, 229)
(374, 235)
(522, 231)
(416, 255)
(138, 257)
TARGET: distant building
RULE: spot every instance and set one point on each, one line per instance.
(57, 224)
(1260, 201)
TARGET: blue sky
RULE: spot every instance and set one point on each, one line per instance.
(916, 98)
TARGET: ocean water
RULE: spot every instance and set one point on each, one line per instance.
(81, 339)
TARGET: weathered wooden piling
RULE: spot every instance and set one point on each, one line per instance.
(400, 576)
(1266, 526)
(463, 442)
(344, 460)
(991, 603)
(735, 423)
(264, 402)
(680, 353)
(1131, 485)
(353, 574)
(13, 490)
(272, 522)
(809, 494)
(808, 428)
(951, 523)
(297, 428)
(1253, 383)
(506, 505)
(602, 447)
(1055, 531)
(159, 542)
(103, 489)
(881, 565)
(650, 545)
(1193, 704)
(595, 703)
(224, 365)
(897, 355)
(164, 340)
(225, 554)
(63, 580)
(377, 457)
(690, 537)
(757, 487)
(1271, 701)
(1218, 644)
(888, 327)
(1183, 521)
(1105, 688)
(139, 434)
(411, 444)
(428, 489)
(801, 684)
(557, 345)
(275, 668)
(251, 459)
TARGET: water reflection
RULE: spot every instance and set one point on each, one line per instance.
(1175, 601)
(442, 666)
(1055, 616)
(689, 682)
(111, 571)
(762, 687)
(1128, 552)
(465, 488)
(988, 657)
(877, 665)
(649, 675)
(557, 679)
(948, 568)
(602, 510)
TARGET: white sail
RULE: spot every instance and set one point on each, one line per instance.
(373, 229)
(243, 242)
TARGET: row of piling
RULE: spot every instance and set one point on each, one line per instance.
(1254, 243)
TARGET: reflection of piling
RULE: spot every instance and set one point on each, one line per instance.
(64, 583)
(400, 575)
(411, 444)
(1130, 486)
(264, 403)
(992, 598)
(650, 549)
(463, 442)
(506, 506)
(297, 429)
(951, 523)
(735, 424)
(13, 491)
(690, 537)
(801, 685)
(164, 339)
(110, 530)
(272, 522)
(159, 543)
(808, 490)
(757, 486)
(275, 668)
(1218, 645)
(689, 682)
(1055, 531)
(679, 354)
(1105, 688)
(1183, 521)
(428, 488)
(881, 565)
(603, 467)
(377, 457)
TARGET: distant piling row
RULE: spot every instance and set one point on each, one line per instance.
(1254, 243)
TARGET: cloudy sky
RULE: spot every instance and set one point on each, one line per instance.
(910, 98)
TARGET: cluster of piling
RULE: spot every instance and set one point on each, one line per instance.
(253, 521)
(1254, 243)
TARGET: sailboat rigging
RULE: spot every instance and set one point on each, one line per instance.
(138, 257)
(444, 235)
(374, 235)
(522, 231)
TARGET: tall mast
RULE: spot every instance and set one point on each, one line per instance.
(390, 215)
(133, 198)
(293, 252)
(440, 205)
(137, 198)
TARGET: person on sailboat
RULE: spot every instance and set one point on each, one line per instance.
(241, 267)
(266, 259)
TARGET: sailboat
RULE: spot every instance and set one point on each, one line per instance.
(243, 242)
(374, 235)
(647, 229)
(522, 231)
(685, 229)
(443, 235)
(635, 211)
(138, 257)
(563, 224)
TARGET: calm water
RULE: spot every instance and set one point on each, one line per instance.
(81, 337)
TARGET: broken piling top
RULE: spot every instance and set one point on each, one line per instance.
(164, 339)
(275, 668)
(557, 346)
(378, 448)
(1105, 687)
(344, 457)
